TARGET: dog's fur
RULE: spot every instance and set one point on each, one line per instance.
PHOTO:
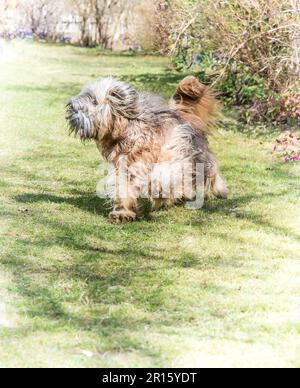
(147, 130)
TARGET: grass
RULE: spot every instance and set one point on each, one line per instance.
(216, 287)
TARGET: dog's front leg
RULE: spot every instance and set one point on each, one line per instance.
(126, 203)
(125, 210)
(128, 190)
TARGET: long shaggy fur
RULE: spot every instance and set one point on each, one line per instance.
(197, 104)
(147, 130)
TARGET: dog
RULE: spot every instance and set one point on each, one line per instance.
(147, 130)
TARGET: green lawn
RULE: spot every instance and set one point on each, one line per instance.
(216, 287)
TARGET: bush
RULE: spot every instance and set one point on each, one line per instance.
(279, 109)
(290, 108)
(249, 49)
(288, 147)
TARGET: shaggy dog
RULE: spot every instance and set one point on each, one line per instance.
(148, 131)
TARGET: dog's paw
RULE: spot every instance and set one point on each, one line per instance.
(120, 217)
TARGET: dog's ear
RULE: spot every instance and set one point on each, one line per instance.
(119, 97)
(123, 99)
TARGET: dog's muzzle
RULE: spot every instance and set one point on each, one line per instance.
(79, 121)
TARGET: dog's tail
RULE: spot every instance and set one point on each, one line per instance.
(197, 104)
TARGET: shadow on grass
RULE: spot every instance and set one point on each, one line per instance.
(89, 203)
(112, 276)
(228, 208)
(164, 83)
(114, 266)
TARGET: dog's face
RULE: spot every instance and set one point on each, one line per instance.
(93, 114)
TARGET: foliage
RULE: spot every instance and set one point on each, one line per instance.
(290, 107)
(258, 34)
(248, 49)
(288, 147)
(283, 110)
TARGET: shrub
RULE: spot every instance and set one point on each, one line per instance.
(249, 49)
(287, 146)
(290, 108)
(276, 108)
(263, 36)
(259, 34)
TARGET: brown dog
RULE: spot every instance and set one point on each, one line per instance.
(147, 131)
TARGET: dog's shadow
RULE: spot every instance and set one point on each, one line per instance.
(89, 202)
(232, 208)
(85, 202)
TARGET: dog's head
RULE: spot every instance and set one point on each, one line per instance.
(100, 107)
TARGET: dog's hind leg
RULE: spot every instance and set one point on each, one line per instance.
(160, 203)
(214, 183)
